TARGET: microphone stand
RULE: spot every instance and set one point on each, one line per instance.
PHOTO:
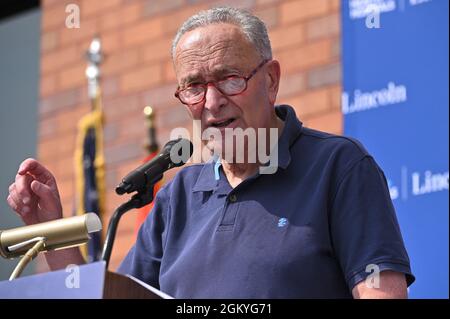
(144, 196)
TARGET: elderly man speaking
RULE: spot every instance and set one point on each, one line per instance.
(322, 225)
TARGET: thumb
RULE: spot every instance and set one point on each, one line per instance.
(48, 197)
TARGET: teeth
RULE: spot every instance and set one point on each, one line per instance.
(223, 123)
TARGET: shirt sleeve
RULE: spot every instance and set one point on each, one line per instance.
(364, 229)
(143, 261)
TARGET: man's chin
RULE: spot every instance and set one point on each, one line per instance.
(230, 154)
(214, 148)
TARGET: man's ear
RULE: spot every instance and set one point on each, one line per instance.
(273, 79)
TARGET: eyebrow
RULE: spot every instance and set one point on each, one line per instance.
(216, 74)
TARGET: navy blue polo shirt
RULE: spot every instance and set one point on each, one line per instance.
(308, 231)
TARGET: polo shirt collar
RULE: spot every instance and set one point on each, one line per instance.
(207, 181)
(291, 131)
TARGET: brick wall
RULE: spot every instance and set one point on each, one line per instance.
(136, 37)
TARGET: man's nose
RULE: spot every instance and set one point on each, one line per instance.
(214, 99)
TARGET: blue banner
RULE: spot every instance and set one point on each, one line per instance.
(395, 100)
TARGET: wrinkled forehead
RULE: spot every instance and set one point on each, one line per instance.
(212, 51)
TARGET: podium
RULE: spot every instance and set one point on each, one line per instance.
(90, 281)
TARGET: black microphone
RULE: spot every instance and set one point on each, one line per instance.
(175, 153)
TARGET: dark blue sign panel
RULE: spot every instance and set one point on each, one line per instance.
(395, 100)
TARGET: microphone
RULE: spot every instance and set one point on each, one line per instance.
(175, 153)
(57, 234)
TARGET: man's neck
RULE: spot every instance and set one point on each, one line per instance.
(236, 173)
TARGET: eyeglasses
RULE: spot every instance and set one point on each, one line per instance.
(231, 85)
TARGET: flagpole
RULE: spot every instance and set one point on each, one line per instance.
(152, 148)
(152, 143)
(89, 160)
(94, 57)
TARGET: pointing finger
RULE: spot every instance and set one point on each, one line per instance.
(33, 167)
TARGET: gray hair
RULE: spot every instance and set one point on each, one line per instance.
(252, 27)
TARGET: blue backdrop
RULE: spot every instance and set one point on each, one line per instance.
(395, 100)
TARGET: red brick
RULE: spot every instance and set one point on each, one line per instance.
(47, 85)
(131, 12)
(267, 2)
(324, 75)
(111, 179)
(47, 128)
(66, 189)
(72, 77)
(122, 153)
(244, 4)
(323, 26)
(120, 16)
(121, 106)
(336, 94)
(303, 57)
(60, 100)
(172, 21)
(141, 78)
(49, 41)
(269, 16)
(312, 102)
(56, 60)
(57, 146)
(110, 132)
(335, 47)
(157, 50)
(173, 116)
(169, 73)
(335, 5)
(83, 46)
(161, 96)
(110, 86)
(111, 42)
(329, 122)
(291, 84)
(120, 61)
(300, 10)
(87, 30)
(54, 17)
(160, 6)
(110, 20)
(68, 120)
(62, 164)
(285, 37)
(131, 127)
(48, 3)
(127, 239)
(143, 32)
(89, 7)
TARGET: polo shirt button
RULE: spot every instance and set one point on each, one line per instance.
(233, 198)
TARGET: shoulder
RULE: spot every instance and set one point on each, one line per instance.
(328, 153)
(328, 147)
(334, 143)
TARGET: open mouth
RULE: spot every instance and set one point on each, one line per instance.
(223, 123)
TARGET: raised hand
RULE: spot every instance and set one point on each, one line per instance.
(34, 194)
